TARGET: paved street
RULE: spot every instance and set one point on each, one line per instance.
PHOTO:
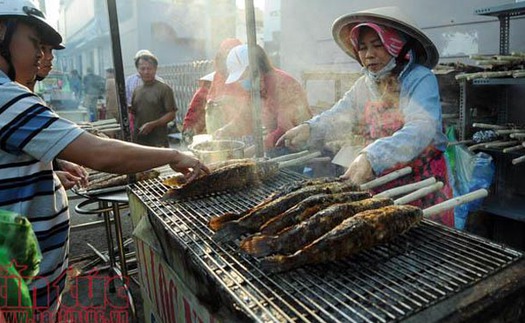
(96, 295)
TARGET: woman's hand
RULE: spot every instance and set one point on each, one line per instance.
(295, 138)
(190, 166)
(360, 171)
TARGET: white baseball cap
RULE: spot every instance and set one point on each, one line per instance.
(208, 77)
(237, 62)
(142, 52)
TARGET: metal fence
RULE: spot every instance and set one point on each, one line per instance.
(183, 79)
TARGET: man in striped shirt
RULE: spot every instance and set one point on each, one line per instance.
(32, 135)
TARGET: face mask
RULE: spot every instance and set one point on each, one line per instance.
(382, 73)
(246, 84)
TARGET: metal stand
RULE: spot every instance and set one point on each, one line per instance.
(108, 205)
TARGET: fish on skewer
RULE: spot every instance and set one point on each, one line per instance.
(119, 180)
(307, 208)
(297, 236)
(216, 223)
(230, 177)
(252, 221)
(295, 185)
(355, 234)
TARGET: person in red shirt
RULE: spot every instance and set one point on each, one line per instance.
(223, 99)
(195, 122)
(284, 101)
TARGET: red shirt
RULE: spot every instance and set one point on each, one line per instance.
(284, 106)
(195, 116)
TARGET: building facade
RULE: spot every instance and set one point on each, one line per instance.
(175, 31)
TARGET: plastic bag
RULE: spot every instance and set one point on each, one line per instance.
(470, 172)
(20, 259)
(18, 239)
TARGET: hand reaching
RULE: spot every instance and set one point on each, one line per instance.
(360, 171)
(75, 170)
(190, 166)
(295, 138)
(67, 179)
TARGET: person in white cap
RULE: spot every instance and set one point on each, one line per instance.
(394, 106)
(32, 135)
(284, 102)
(195, 120)
(223, 99)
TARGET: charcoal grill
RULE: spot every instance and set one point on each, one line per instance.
(430, 273)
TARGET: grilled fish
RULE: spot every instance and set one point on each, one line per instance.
(294, 186)
(259, 215)
(355, 234)
(230, 177)
(216, 223)
(307, 208)
(118, 180)
(295, 237)
(224, 163)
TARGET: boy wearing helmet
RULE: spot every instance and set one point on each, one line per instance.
(70, 174)
(32, 135)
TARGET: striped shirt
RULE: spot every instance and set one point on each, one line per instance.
(31, 136)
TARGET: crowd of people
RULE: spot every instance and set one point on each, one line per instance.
(394, 106)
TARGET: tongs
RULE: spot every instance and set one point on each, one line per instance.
(295, 159)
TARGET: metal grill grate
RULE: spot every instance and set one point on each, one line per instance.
(388, 283)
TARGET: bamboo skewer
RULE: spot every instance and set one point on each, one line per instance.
(407, 188)
(518, 160)
(387, 178)
(438, 208)
(289, 156)
(500, 144)
(480, 145)
(477, 75)
(517, 135)
(460, 142)
(300, 160)
(419, 193)
(509, 131)
(488, 126)
(511, 149)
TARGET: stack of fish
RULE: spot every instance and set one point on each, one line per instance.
(314, 221)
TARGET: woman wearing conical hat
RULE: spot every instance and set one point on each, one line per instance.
(394, 105)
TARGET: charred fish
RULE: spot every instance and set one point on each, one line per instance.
(230, 177)
(355, 234)
(294, 186)
(260, 214)
(295, 237)
(216, 223)
(307, 208)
